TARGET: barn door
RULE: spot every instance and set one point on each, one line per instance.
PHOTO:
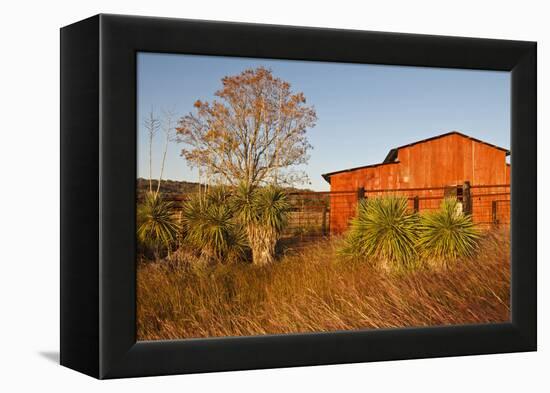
(458, 193)
(454, 191)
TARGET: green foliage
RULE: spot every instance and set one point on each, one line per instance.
(156, 225)
(209, 225)
(264, 213)
(220, 223)
(266, 206)
(383, 229)
(243, 204)
(273, 207)
(447, 233)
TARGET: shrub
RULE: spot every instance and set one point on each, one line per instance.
(384, 229)
(157, 228)
(264, 213)
(447, 234)
(209, 225)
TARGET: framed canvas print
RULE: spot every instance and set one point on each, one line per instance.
(239, 196)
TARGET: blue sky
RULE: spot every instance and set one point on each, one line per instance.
(363, 110)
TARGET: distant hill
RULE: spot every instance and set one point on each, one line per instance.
(177, 187)
(168, 186)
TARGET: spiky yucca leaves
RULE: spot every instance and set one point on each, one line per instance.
(209, 225)
(264, 213)
(157, 227)
(384, 230)
(447, 234)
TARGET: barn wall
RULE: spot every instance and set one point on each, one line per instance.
(451, 161)
(344, 206)
(440, 162)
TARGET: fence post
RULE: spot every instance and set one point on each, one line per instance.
(494, 211)
(466, 198)
(360, 194)
(324, 225)
(416, 204)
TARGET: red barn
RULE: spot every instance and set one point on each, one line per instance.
(428, 170)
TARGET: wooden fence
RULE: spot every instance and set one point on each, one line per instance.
(488, 205)
(315, 215)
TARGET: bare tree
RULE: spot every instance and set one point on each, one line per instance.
(168, 129)
(255, 134)
(152, 125)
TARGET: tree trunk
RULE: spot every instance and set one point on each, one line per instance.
(262, 241)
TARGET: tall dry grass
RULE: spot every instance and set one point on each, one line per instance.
(317, 290)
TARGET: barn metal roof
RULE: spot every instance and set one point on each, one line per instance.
(392, 154)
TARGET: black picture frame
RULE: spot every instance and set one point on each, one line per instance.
(98, 194)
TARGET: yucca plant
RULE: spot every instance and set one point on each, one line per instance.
(263, 212)
(384, 230)
(447, 234)
(209, 225)
(157, 227)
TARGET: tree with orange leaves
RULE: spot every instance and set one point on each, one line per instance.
(254, 134)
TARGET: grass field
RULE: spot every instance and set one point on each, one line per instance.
(317, 290)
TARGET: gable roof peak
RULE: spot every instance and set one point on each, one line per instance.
(391, 157)
(392, 154)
